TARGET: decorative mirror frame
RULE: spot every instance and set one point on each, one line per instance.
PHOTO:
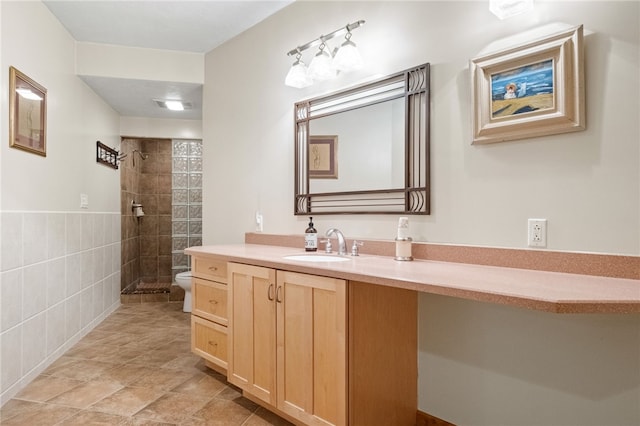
(412, 199)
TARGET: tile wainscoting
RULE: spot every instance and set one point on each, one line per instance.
(60, 277)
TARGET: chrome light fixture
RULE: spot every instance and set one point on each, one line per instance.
(321, 66)
(506, 8)
(326, 63)
(298, 75)
(347, 57)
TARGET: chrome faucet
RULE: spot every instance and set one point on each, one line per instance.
(342, 243)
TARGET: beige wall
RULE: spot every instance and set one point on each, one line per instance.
(586, 183)
(59, 265)
(478, 363)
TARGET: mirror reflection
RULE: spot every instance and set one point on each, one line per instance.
(369, 148)
(365, 149)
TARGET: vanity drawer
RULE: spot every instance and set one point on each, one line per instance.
(210, 269)
(209, 340)
(210, 300)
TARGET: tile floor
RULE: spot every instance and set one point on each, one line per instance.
(135, 368)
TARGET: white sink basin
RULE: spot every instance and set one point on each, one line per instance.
(317, 258)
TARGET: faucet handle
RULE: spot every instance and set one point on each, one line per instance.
(328, 248)
(354, 247)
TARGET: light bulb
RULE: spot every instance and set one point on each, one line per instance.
(298, 76)
(347, 58)
(321, 67)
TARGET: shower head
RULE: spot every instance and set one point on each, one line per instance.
(133, 156)
(143, 156)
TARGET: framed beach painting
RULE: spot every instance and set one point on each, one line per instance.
(531, 90)
(27, 113)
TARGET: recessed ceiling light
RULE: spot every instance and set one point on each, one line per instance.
(173, 105)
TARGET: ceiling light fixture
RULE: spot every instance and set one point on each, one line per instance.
(347, 57)
(298, 76)
(173, 105)
(507, 8)
(326, 63)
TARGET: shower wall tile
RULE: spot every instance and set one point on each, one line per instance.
(11, 241)
(149, 203)
(164, 225)
(164, 265)
(164, 183)
(164, 163)
(150, 165)
(164, 245)
(164, 204)
(180, 165)
(180, 148)
(149, 184)
(148, 246)
(149, 225)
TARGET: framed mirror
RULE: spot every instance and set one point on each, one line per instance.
(365, 150)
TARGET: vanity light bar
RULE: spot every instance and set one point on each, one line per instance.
(323, 38)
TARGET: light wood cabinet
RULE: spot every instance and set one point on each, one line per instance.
(287, 343)
(323, 351)
(209, 311)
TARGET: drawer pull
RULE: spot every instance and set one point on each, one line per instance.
(213, 302)
(212, 343)
(213, 268)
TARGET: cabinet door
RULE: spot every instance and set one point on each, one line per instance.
(252, 330)
(312, 356)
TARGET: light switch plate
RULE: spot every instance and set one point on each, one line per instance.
(84, 201)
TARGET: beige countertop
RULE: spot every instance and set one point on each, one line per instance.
(539, 290)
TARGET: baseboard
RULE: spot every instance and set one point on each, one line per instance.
(424, 419)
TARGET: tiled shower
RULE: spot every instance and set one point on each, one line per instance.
(165, 176)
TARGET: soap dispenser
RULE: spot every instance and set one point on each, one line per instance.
(311, 237)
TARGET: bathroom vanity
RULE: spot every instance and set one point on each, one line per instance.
(335, 342)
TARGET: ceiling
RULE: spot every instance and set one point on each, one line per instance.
(191, 26)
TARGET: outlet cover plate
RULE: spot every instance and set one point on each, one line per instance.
(537, 233)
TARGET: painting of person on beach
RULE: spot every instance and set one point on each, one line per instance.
(522, 90)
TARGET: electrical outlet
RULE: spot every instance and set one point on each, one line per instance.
(537, 235)
(84, 201)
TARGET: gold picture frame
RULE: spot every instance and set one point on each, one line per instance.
(534, 89)
(27, 113)
(323, 157)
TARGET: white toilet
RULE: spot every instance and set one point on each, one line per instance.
(183, 279)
